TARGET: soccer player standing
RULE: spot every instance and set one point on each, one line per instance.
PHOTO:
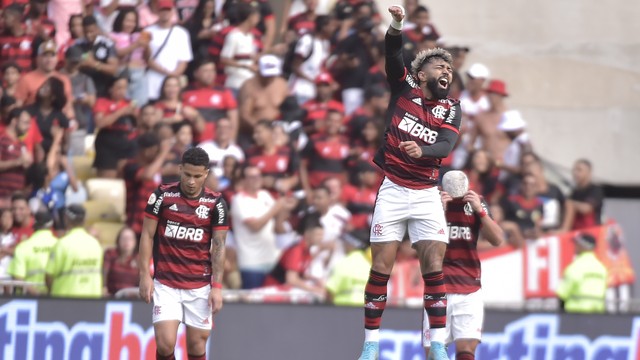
(422, 128)
(468, 219)
(185, 227)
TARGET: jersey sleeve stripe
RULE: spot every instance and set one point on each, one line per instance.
(449, 127)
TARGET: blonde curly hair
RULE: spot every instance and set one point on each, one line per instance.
(425, 56)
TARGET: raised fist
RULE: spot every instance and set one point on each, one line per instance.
(397, 12)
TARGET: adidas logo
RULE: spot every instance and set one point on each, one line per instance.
(417, 101)
(441, 232)
(174, 207)
(370, 305)
(439, 304)
(206, 320)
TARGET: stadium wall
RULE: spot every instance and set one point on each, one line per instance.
(96, 329)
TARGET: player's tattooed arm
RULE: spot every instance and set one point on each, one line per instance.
(218, 255)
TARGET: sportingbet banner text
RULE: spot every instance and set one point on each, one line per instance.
(510, 275)
(94, 330)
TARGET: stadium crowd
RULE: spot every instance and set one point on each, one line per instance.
(290, 116)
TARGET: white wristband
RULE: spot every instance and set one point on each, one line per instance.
(398, 24)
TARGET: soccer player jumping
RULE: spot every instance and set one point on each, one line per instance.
(422, 126)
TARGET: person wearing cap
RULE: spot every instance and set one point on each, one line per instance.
(349, 275)
(30, 83)
(583, 286)
(17, 43)
(169, 50)
(469, 221)
(142, 176)
(75, 264)
(254, 106)
(486, 123)
(514, 126)
(422, 126)
(309, 56)
(324, 101)
(31, 256)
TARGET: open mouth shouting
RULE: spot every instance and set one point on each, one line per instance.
(443, 82)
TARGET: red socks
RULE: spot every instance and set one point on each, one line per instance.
(165, 357)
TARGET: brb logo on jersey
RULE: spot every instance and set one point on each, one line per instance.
(173, 230)
(411, 126)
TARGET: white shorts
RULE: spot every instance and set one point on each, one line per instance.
(188, 306)
(398, 208)
(465, 315)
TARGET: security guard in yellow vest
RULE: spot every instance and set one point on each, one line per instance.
(31, 256)
(75, 265)
(350, 274)
(584, 284)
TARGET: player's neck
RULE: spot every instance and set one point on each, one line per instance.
(426, 93)
(186, 195)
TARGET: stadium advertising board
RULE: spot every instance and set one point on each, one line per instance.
(63, 329)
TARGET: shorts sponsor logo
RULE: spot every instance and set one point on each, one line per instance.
(183, 233)
(377, 230)
(202, 211)
(411, 126)
(152, 199)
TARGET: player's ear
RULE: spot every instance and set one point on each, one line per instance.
(422, 76)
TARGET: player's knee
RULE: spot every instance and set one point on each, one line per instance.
(466, 346)
(165, 342)
(197, 341)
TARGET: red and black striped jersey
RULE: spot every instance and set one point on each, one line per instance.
(412, 117)
(182, 241)
(11, 179)
(461, 265)
(19, 49)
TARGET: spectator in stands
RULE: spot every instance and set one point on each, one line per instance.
(120, 267)
(350, 274)
(483, 176)
(553, 200)
(169, 49)
(239, 52)
(17, 43)
(203, 25)
(292, 268)
(142, 176)
(266, 24)
(31, 256)
(84, 98)
(149, 13)
(253, 213)
(303, 22)
(325, 154)
(99, 59)
(585, 201)
(310, 55)
(75, 266)
(10, 78)
(22, 220)
(37, 22)
(14, 158)
(76, 32)
(583, 287)
(174, 111)
(360, 198)
(29, 83)
(47, 112)
(367, 142)
(324, 100)
(213, 102)
(149, 117)
(278, 163)
(418, 32)
(459, 54)
(131, 45)
(7, 244)
(114, 117)
(254, 107)
(514, 126)
(525, 209)
(355, 57)
(334, 219)
(493, 140)
(374, 108)
(221, 147)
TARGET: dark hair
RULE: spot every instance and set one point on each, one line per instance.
(420, 9)
(309, 221)
(70, 23)
(17, 196)
(89, 20)
(196, 157)
(119, 235)
(244, 11)
(321, 22)
(201, 61)
(179, 125)
(147, 140)
(10, 64)
(265, 123)
(164, 82)
(195, 22)
(119, 21)
(122, 75)
(14, 114)
(58, 98)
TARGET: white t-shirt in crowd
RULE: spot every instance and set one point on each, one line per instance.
(318, 50)
(473, 107)
(333, 223)
(217, 155)
(513, 153)
(256, 250)
(240, 47)
(177, 49)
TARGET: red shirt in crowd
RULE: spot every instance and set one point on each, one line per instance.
(213, 104)
(283, 162)
(317, 111)
(120, 274)
(301, 24)
(107, 106)
(326, 157)
(360, 202)
(12, 179)
(296, 258)
(22, 233)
